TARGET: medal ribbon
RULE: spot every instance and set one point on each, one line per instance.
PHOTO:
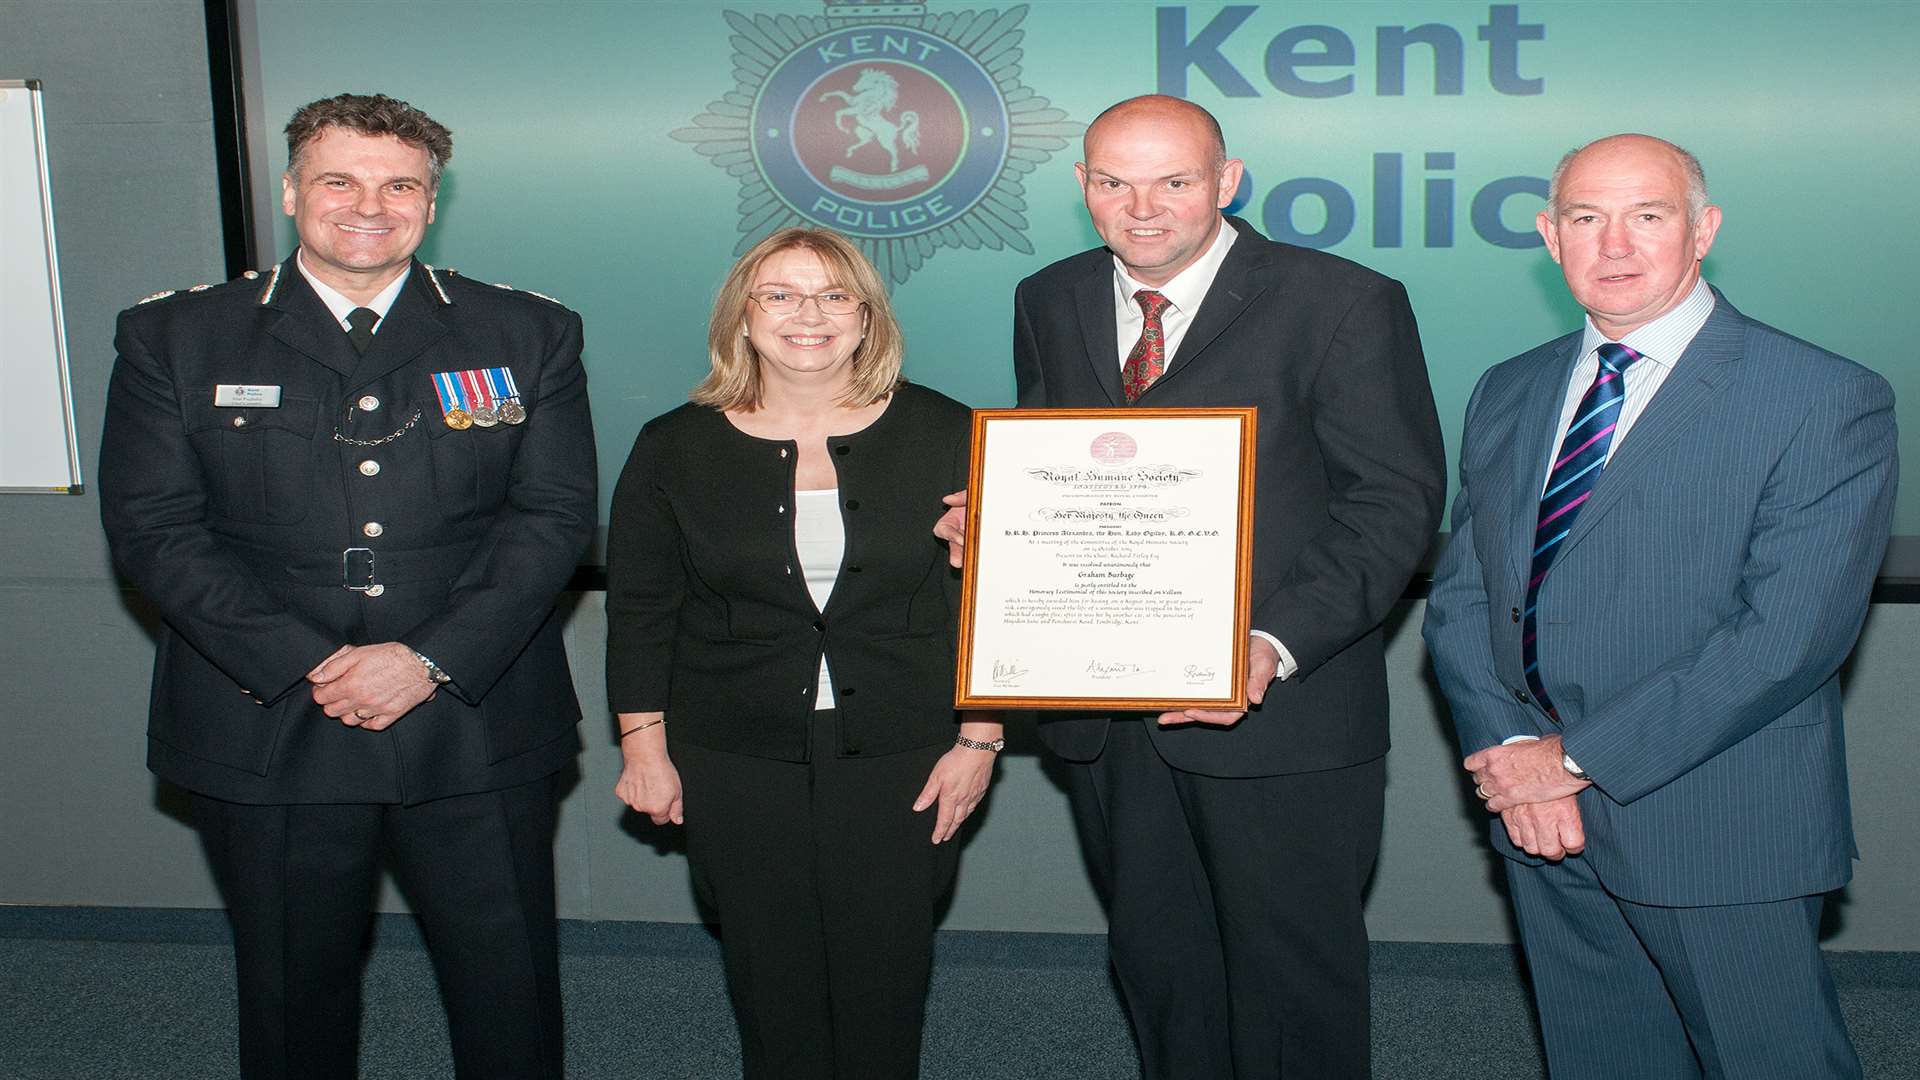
(451, 395)
(500, 381)
(477, 387)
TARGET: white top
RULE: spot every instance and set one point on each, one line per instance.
(1660, 344)
(341, 306)
(1185, 292)
(820, 537)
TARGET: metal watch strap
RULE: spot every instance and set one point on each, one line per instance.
(995, 746)
(439, 678)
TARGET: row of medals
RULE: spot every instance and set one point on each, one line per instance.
(509, 411)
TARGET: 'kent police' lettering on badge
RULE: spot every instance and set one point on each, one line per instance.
(871, 121)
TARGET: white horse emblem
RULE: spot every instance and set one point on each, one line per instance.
(874, 94)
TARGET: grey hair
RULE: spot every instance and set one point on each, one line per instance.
(1689, 165)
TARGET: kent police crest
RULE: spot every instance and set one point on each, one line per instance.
(906, 131)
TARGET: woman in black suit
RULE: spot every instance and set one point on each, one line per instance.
(780, 646)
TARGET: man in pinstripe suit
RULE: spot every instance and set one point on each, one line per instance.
(1668, 525)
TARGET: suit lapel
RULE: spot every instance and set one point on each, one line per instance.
(1697, 377)
(410, 326)
(303, 323)
(1234, 289)
(1094, 300)
(1536, 435)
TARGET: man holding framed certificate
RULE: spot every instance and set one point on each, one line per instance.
(1233, 848)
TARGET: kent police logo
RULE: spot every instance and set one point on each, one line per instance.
(906, 131)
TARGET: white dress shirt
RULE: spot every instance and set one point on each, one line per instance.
(1659, 344)
(340, 305)
(1185, 292)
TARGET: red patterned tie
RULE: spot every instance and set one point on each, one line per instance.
(1148, 360)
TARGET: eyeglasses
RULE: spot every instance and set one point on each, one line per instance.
(782, 302)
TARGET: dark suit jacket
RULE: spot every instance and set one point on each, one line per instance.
(1351, 475)
(708, 614)
(232, 522)
(1692, 626)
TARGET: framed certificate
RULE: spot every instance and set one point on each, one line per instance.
(1107, 559)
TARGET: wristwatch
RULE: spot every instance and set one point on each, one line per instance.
(1566, 762)
(996, 745)
(438, 677)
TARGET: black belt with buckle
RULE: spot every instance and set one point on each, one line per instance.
(356, 568)
(359, 568)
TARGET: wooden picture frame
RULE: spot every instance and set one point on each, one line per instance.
(1108, 559)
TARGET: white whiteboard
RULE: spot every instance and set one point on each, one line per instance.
(38, 449)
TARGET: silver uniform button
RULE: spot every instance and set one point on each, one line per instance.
(369, 467)
(368, 403)
(239, 421)
(373, 528)
(375, 590)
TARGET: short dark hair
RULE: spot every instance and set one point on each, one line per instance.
(370, 114)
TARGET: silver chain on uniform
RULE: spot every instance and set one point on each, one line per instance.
(404, 428)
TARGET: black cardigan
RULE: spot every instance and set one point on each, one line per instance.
(708, 614)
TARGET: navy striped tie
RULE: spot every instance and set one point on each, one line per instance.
(1583, 455)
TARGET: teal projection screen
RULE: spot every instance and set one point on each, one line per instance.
(616, 155)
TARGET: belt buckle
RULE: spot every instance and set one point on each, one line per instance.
(356, 564)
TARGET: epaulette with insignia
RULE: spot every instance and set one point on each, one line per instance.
(273, 282)
(529, 292)
(250, 275)
(433, 278)
(453, 274)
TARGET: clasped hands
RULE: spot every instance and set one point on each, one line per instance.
(1263, 662)
(1529, 787)
(370, 686)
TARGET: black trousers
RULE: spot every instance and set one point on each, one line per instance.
(826, 884)
(299, 884)
(1234, 915)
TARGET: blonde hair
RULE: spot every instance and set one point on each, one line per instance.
(734, 382)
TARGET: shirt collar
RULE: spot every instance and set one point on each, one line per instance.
(1186, 289)
(338, 304)
(1664, 339)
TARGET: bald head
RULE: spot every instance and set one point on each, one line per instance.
(1642, 147)
(1156, 177)
(1629, 225)
(1161, 111)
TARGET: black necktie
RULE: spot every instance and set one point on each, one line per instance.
(360, 327)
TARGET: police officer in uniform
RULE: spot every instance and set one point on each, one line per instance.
(353, 487)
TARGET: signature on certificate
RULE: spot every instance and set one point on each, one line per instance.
(1008, 673)
(1115, 669)
(1197, 674)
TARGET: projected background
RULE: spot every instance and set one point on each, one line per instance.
(616, 155)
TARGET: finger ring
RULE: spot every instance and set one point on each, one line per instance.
(364, 716)
(1482, 792)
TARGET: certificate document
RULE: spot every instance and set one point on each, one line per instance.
(1107, 559)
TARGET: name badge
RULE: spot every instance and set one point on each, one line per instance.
(235, 396)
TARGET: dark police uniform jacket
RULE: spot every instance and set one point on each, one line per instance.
(266, 540)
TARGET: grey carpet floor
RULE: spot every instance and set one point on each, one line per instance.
(87, 999)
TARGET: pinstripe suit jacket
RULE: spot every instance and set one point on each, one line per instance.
(1692, 626)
